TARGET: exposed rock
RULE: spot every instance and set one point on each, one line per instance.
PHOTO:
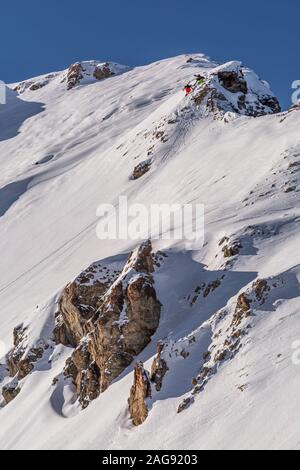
(102, 71)
(260, 288)
(36, 86)
(203, 93)
(223, 240)
(18, 335)
(21, 360)
(33, 85)
(187, 402)
(10, 392)
(159, 368)
(140, 392)
(290, 189)
(233, 81)
(74, 75)
(242, 309)
(272, 103)
(85, 375)
(89, 71)
(250, 95)
(232, 249)
(141, 169)
(77, 307)
(211, 287)
(115, 325)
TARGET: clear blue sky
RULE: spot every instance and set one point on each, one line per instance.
(42, 36)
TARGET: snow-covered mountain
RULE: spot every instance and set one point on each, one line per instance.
(163, 344)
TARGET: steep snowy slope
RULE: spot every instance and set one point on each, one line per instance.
(227, 337)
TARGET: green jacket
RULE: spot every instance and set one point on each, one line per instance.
(200, 81)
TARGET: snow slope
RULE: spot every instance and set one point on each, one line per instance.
(62, 154)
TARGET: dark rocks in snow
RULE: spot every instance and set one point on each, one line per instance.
(102, 71)
(211, 287)
(10, 392)
(187, 402)
(139, 393)
(229, 90)
(33, 85)
(21, 360)
(90, 70)
(77, 307)
(233, 81)
(261, 287)
(242, 309)
(203, 93)
(159, 368)
(228, 342)
(232, 249)
(290, 189)
(141, 169)
(85, 374)
(18, 335)
(74, 75)
(113, 326)
(272, 103)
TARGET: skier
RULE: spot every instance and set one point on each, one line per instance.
(200, 80)
(187, 89)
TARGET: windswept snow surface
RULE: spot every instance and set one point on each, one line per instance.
(62, 154)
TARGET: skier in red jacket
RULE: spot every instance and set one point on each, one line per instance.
(188, 88)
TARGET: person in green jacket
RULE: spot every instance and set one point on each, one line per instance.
(200, 80)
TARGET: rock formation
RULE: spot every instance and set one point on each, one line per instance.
(140, 392)
(108, 322)
(90, 71)
(74, 75)
(227, 90)
(21, 360)
(10, 392)
(159, 368)
(141, 169)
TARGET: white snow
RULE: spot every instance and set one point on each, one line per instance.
(87, 142)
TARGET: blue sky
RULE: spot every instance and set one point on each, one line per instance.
(40, 36)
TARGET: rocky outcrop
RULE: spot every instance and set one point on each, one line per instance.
(242, 309)
(21, 360)
(141, 169)
(33, 85)
(10, 392)
(230, 327)
(102, 71)
(74, 75)
(159, 368)
(232, 88)
(89, 71)
(109, 322)
(78, 306)
(140, 392)
(231, 248)
(187, 402)
(233, 81)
